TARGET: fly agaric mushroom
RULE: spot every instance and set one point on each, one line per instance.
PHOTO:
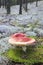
(20, 39)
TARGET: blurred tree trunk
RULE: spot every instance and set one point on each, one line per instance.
(20, 11)
(26, 4)
(8, 6)
(0, 3)
(36, 3)
(3, 3)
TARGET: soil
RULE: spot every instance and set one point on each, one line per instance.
(14, 63)
(38, 64)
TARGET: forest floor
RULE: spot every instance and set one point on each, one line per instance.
(30, 22)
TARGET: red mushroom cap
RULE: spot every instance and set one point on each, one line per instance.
(20, 39)
(18, 35)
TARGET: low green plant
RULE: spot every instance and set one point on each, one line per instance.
(32, 55)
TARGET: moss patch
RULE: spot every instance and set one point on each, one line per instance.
(32, 55)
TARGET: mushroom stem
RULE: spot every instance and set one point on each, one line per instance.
(24, 48)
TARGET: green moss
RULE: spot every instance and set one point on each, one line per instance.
(32, 55)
